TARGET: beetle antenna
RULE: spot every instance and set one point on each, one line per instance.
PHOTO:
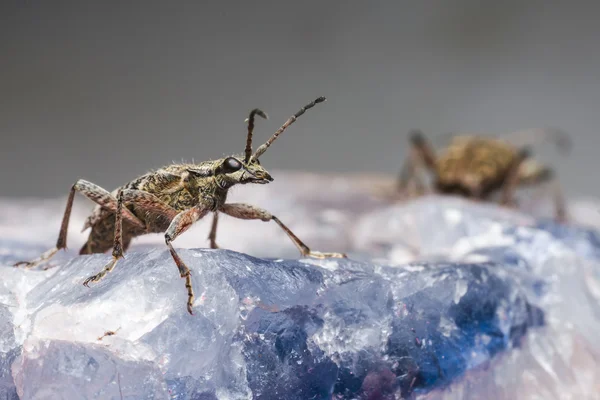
(291, 120)
(250, 120)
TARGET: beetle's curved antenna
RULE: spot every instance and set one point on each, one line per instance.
(250, 121)
(260, 151)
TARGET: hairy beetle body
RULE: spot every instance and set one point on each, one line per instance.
(476, 167)
(172, 199)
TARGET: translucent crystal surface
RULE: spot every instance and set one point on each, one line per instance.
(267, 329)
(557, 265)
(441, 299)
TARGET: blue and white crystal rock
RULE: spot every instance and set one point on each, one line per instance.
(441, 299)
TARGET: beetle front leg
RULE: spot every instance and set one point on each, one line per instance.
(180, 224)
(246, 211)
(93, 192)
(421, 157)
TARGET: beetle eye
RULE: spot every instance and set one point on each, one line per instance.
(231, 165)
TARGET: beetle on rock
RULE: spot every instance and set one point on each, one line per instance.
(476, 167)
(170, 200)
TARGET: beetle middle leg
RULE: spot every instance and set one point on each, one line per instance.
(246, 211)
(212, 236)
(93, 192)
(117, 246)
(421, 157)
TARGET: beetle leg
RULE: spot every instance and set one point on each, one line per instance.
(143, 200)
(117, 246)
(533, 173)
(421, 157)
(149, 203)
(410, 183)
(99, 196)
(212, 236)
(246, 211)
(512, 178)
(180, 224)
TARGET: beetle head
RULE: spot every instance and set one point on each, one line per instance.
(247, 169)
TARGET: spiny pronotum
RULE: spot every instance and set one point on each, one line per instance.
(476, 166)
(170, 200)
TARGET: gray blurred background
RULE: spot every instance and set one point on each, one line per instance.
(108, 90)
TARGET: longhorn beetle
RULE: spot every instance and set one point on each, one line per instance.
(170, 200)
(476, 166)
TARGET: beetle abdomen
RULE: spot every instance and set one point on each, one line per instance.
(101, 237)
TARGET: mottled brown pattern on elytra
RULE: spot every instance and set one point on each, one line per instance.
(469, 159)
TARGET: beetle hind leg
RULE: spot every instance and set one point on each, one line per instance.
(92, 192)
